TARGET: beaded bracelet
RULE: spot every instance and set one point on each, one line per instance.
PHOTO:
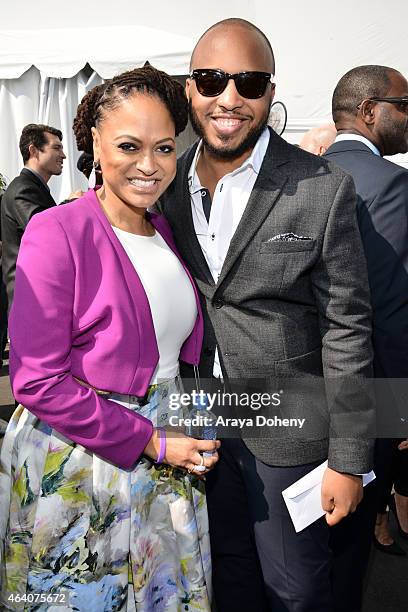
(162, 450)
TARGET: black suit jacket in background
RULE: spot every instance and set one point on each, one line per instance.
(25, 196)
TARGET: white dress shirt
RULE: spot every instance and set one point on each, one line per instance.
(230, 199)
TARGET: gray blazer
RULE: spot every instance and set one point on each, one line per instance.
(289, 308)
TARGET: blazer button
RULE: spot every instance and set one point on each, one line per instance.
(219, 303)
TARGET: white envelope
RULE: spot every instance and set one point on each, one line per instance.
(303, 497)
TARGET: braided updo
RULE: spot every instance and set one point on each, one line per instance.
(84, 119)
(106, 97)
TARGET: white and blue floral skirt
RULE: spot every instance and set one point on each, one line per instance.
(83, 533)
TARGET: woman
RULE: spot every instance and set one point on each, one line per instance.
(103, 310)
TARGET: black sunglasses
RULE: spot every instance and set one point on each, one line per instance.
(401, 102)
(249, 84)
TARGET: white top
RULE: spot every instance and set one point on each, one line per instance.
(360, 138)
(170, 294)
(231, 196)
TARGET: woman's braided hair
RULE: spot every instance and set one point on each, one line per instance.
(84, 120)
(108, 96)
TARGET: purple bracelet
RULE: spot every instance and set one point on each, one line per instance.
(162, 451)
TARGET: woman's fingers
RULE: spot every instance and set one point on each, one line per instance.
(210, 462)
(185, 452)
(207, 445)
(202, 464)
(206, 462)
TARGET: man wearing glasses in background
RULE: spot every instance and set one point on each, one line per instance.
(370, 110)
(270, 235)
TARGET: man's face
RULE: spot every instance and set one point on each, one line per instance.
(229, 123)
(391, 126)
(51, 157)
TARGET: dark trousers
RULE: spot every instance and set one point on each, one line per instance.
(391, 468)
(350, 542)
(259, 562)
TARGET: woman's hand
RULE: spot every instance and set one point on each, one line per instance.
(182, 451)
(403, 445)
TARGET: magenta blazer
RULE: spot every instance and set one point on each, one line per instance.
(80, 310)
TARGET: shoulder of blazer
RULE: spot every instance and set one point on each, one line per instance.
(85, 213)
(74, 215)
(296, 163)
(360, 157)
(26, 182)
(29, 178)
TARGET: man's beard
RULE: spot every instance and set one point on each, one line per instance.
(247, 144)
(395, 135)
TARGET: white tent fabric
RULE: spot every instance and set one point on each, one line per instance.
(315, 43)
(63, 52)
(36, 98)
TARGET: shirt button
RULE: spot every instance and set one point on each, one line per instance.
(212, 236)
(218, 303)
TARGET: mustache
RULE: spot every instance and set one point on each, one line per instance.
(225, 152)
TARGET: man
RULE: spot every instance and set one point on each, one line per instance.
(318, 139)
(270, 234)
(28, 194)
(370, 110)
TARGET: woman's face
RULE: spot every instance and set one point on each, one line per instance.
(135, 145)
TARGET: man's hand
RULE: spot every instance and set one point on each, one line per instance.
(403, 445)
(341, 494)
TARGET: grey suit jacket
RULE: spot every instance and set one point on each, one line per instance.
(288, 308)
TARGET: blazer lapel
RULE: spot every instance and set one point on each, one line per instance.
(266, 191)
(183, 199)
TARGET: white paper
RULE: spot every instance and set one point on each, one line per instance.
(303, 497)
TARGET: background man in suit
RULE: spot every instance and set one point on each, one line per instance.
(271, 237)
(370, 110)
(43, 156)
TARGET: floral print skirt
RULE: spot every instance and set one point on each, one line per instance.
(78, 531)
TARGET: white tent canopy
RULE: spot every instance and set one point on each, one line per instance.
(108, 50)
(41, 63)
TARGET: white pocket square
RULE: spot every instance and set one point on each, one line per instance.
(289, 237)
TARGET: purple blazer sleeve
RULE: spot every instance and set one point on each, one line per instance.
(40, 358)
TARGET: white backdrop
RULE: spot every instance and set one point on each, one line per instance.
(315, 43)
(36, 98)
